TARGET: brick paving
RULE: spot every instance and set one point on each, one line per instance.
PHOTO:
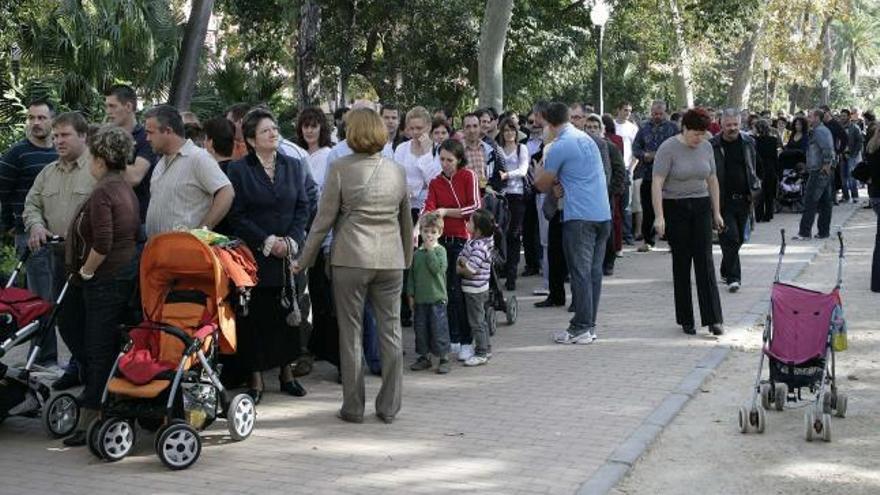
(539, 418)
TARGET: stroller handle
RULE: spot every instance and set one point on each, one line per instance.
(840, 241)
(782, 247)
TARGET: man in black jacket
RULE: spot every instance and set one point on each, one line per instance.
(840, 141)
(735, 165)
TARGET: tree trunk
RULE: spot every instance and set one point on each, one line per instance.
(347, 10)
(827, 58)
(186, 71)
(307, 78)
(740, 88)
(684, 93)
(493, 36)
(853, 69)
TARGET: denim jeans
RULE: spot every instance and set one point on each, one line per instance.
(45, 276)
(584, 245)
(432, 329)
(849, 185)
(476, 304)
(817, 197)
(875, 262)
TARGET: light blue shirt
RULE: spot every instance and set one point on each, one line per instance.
(574, 159)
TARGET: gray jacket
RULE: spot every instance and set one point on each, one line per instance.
(821, 149)
(751, 156)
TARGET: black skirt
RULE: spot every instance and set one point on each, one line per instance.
(265, 341)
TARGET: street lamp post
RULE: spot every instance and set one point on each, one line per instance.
(826, 93)
(766, 84)
(599, 15)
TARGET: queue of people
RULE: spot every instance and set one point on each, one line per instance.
(386, 227)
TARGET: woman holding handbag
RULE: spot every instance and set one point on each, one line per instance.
(366, 204)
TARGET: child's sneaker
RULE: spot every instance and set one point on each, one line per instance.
(466, 352)
(443, 366)
(421, 364)
(476, 360)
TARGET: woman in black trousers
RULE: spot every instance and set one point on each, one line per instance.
(686, 202)
(767, 148)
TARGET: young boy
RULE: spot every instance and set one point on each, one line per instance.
(427, 295)
(474, 266)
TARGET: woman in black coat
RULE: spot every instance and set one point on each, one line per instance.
(872, 157)
(269, 213)
(767, 149)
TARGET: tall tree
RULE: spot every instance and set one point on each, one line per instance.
(684, 91)
(740, 87)
(493, 36)
(187, 68)
(307, 77)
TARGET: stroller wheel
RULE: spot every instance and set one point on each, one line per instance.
(60, 415)
(92, 437)
(759, 419)
(840, 410)
(178, 446)
(809, 424)
(827, 402)
(241, 417)
(491, 320)
(765, 395)
(826, 427)
(116, 439)
(512, 310)
(780, 395)
(743, 419)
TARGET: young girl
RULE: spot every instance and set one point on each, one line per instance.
(474, 265)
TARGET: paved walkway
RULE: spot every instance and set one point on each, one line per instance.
(540, 418)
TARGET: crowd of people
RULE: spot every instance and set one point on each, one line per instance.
(383, 216)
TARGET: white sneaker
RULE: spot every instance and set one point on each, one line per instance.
(562, 337)
(454, 348)
(476, 360)
(540, 291)
(466, 352)
(585, 338)
(733, 286)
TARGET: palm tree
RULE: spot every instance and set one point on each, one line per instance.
(856, 40)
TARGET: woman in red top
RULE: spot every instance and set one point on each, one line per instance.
(455, 195)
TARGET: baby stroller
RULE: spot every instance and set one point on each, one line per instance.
(803, 330)
(496, 203)
(166, 378)
(24, 317)
(790, 196)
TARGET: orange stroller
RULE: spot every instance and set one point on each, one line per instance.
(166, 378)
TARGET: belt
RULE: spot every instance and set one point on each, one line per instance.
(740, 196)
(448, 239)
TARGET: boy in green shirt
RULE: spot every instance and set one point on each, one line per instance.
(427, 296)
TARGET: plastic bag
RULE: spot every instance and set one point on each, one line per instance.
(838, 329)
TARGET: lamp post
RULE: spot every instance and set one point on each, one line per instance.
(825, 91)
(766, 84)
(599, 15)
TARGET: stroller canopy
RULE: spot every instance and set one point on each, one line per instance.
(801, 322)
(177, 261)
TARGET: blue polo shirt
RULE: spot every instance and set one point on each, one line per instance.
(575, 160)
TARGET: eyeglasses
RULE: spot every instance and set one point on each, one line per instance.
(577, 117)
(531, 122)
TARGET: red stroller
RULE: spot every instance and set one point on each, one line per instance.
(24, 317)
(803, 329)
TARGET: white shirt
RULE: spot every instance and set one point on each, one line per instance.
(517, 166)
(318, 163)
(626, 130)
(420, 170)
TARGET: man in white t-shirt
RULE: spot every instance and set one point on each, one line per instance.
(627, 130)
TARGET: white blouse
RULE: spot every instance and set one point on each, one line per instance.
(420, 170)
(517, 166)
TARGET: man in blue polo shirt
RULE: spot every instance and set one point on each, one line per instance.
(573, 170)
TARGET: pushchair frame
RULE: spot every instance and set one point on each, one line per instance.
(58, 412)
(787, 379)
(497, 301)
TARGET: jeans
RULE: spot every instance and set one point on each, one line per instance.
(92, 313)
(817, 197)
(431, 327)
(647, 212)
(459, 330)
(849, 185)
(875, 262)
(517, 207)
(584, 244)
(689, 231)
(45, 277)
(736, 222)
(476, 304)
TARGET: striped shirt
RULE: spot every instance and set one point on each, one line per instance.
(18, 169)
(477, 256)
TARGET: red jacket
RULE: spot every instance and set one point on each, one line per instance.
(461, 191)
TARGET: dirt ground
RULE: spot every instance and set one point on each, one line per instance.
(703, 452)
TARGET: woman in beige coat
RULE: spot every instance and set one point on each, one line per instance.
(366, 204)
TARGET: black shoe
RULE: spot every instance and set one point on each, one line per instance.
(256, 395)
(571, 308)
(385, 419)
(689, 329)
(716, 329)
(78, 439)
(349, 419)
(406, 322)
(530, 272)
(67, 380)
(608, 272)
(548, 303)
(293, 388)
(510, 285)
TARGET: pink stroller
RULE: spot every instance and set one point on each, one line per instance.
(798, 341)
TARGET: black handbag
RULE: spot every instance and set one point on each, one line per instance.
(862, 172)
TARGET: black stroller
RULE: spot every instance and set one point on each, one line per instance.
(496, 203)
(24, 318)
(792, 181)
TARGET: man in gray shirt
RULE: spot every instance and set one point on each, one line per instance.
(819, 190)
